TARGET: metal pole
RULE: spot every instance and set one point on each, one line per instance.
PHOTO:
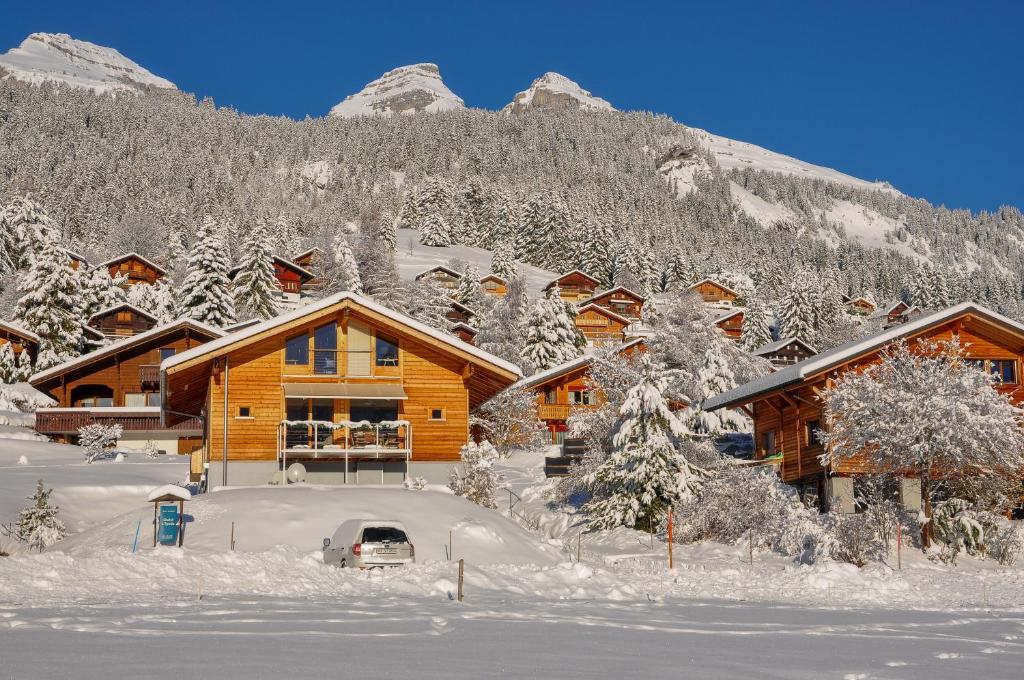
(224, 454)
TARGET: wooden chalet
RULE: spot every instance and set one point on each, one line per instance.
(134, 268)
(121, 321)
(20, 339)
(347, 389)
(77, 261)
(731, 323)
(119, 384)
(313, 261)
(622, 301)
(448, 278)
(291, 280)
(861, 305)
(465, 332)
(785, 352)
(600, 325)
(494, 285)
(459, 313)
(787, 412)
(576, 286)
(894, 313)
(714, 292)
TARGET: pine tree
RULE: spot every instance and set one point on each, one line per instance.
(38, 523)
(408, 217)
(8, 364)
(346, 270)
(25, 227)
(387, 234)
(204, 295)
(24, 368)
(715, 377)
(757, 320)
(480, 480)
(503, 261)
(255, 286)
(798, 315)
(430, 303)
(551, 335)
(503, 328)
(645, 474)
(434, 201)
(100, 291)
(379, 273)
(470, 292)
(51, 305)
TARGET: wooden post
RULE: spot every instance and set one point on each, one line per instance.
(156, 504)
(579, 544)
(462, 566)
(232, 536)
(181, 523)
(670, 564)
(899, 546)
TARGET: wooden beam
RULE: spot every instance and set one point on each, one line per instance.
(746, 409)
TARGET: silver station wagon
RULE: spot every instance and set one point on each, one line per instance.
(368, 543)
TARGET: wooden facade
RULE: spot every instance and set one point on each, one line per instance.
(122, 321)
(731, 324)
(494, 285)
(576, 286)
(861, 306)
(714, 292)
(134, 268)
(344, 360)
(785, 352)
(622, 301)
(448, 278)
(787, 410)
(291, 277)
(600, 325)
(20, 339)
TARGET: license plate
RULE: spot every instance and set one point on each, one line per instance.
(385, 551)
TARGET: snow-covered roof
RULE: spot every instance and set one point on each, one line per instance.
(130, 256)
(779, 344)
(729, 315)
(465, 327)
(18, 329)
(620, 289)
(438, 268)
(493, 277)
(76, 256)
(719, 284)
(888, 309)
(122, 305)
(241, 324)
(860, 299)
(555, 371)
(605, 311)
(329, 301)
(121, 346)
(566, 275)
(169, 490)
(306, 253)
(286, 263)
(839, 355)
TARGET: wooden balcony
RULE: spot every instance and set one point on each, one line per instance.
(319, 440)
(67, 421)
(149, 373)
(553, 411)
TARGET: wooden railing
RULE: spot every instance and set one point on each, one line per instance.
(553, 411)
(317, 439)
(69, 422)
(149, 373)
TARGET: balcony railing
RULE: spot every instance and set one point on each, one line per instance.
(149, 373)
(363, 439)
(68, 421)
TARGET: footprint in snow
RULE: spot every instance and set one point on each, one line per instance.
(896, 664)
(947, 655)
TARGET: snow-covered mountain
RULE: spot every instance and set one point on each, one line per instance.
(57, 57)
(554, 92)
(406, 89)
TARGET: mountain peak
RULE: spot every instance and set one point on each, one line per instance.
(57, 57)
(554, 92)
(407, 89)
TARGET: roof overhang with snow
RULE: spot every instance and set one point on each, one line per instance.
(815, 366)
(603, 311)
(286, 264)
(133, 256)
(16, 329)
(574, 272)
(725, 317)
(619, 290)
(438, 268)
(779, 344)
(716, 284)
(118, 307)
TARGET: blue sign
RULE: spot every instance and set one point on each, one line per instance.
(168, 528)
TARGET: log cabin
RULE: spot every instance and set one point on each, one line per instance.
(892, 314)
(313, 260)
(787, 410)
(714, 292)
(448, 278)
(622, 301)
(731, 323)
(465, 332)
(459, 313)
(600, 325)
(77, 261)
(121, 321)
(785, 352)
(350, 390)
(119, 384)
(134, 268)
(494, 285)
(861, 306)
(20, 339)
(291, 281)
(575, 286)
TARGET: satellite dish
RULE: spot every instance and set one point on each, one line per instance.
(296, 472)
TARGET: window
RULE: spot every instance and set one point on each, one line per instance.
(296, 350)
(323, 411)
(811, 433)
(550, 395)
(1005, 370)
(437, 414)
(167, 352)
(135, 399)
(296, 435)
(768, 442)
(325, 349)
(387, 351)
(581, 397)
(373, 410)
(290, 286)
(153, 399)
(124, 316)
(244, 412)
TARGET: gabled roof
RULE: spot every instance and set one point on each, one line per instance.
(307, 253)
(76, 256)
(886, 311)
(603, 310)
(779, 344)
(130, 256)
(461, 307)
(717, 284)
(620, 289)
(464, 327)
(566, 275)
(729, 315)
(123, 305)
(833, 358)
(855, 300)
(569, 366)
(18, 329)
(438, 268)
(493, 277)
(228, 342)
(121, 345)
(287, 264)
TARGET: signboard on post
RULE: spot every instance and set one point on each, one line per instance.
(167, 533)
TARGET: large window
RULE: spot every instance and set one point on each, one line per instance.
(296, 350)
(581, 397)
(811, 433)
(1005, 370)
(325, 349)
(166, 353)
(373, 410)
(296, 435)
(387, 351)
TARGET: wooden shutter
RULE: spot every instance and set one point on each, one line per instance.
(359, 346)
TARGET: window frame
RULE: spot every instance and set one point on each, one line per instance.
(810, 437)
(442, 411)
(387, 361)
(244, 416)
(304, 335)
(170, 351)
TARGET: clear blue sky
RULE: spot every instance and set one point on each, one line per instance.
(925, 94)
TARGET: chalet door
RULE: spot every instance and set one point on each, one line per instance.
(297, 435)
(359, 346)
(323, 410)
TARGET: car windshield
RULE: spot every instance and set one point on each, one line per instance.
(383, 535)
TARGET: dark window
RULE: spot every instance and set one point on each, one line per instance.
(437, 414)
(296, 350)
(384, 535)
(325, 345)
(373, 410)
(166, 353)
(1005, 370)
(387, 351)
(323, 410)
(244, 412)
(297, 435)
(768, 442)
(976, 363)
(812, 428)
(152, 398)
(550, 395)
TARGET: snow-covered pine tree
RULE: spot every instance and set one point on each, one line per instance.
(509, 421)
(8, 364)
(162, 303)
(480, 480)
(470, 292)
(379, 273)
(434, 202)
(100, 291)
(38, 523)
(96, 439)
(408, 217)
(51, 305)
(551, 336)
(645, 474)
(24, 369)
(715, 377)
(503, 261)
(204, 294)
(798, 315)
(502, 329)
(255, 287)
(25, 227)
(920, 292)
(757, 325)
(435, 230)
(346, 271)
(430, 303)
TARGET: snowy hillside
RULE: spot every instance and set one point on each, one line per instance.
(406, 89)
(554, 92)
(57, 57)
